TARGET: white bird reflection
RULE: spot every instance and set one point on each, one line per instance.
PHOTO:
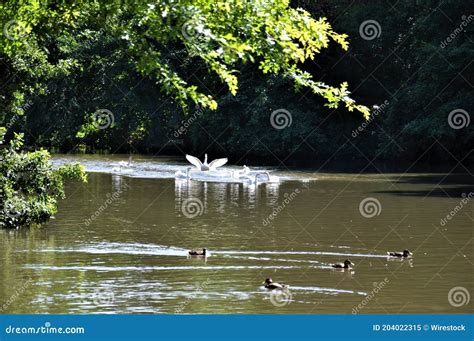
(118, 183)
(222, 196)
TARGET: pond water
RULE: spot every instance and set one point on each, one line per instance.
(119, 244)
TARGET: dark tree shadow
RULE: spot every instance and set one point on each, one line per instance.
(437, 185)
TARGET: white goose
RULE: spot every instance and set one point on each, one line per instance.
(206, 166)
(123, 166)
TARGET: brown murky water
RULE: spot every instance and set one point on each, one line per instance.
(119, 245)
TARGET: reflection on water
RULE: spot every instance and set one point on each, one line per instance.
(224, 195)
(120, 244)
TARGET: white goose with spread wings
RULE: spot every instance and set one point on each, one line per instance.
(206, 166)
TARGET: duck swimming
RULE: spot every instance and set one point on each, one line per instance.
(198, 253)
(269, 284)
(346, 265)
(403, 254)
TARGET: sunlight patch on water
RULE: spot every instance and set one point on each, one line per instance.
(329, 291)
(126, 248)
(157, 268)
(321, 253)
(163, 250)
(275, 259)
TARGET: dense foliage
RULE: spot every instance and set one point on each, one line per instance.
(29, 186)
(125, 76)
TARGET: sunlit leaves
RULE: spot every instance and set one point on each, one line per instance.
(29, 186)
(224, 34)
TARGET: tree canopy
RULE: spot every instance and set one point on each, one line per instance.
(42, 39)
(148, 63)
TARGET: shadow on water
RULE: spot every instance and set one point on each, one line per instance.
(437, 185)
